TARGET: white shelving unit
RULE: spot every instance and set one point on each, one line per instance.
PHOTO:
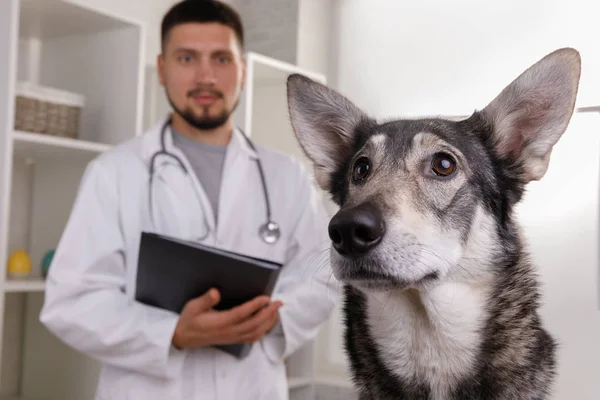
(63, 45)
(264, 116)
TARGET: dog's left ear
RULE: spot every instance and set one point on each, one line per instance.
(530, 115)
(324, 122)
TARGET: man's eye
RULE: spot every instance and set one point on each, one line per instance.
(185, 59)
(222, 59)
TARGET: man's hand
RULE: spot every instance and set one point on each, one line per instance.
(200, 325)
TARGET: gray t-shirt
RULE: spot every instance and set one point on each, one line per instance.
(207, 161)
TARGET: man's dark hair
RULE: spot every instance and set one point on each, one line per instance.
(202, 11)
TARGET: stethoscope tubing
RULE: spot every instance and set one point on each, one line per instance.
(269, 231)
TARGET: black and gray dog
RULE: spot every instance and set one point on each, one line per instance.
(441, 299)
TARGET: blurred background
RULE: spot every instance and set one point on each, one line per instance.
(93, 63)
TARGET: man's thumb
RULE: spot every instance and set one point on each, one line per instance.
(207, 301)
(210, 299)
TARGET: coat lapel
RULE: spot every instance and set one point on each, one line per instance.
(239, 159)
(236, 186)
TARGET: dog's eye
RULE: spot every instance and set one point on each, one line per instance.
(443, 164)
(362, 166)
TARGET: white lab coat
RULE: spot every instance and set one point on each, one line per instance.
(90, 290)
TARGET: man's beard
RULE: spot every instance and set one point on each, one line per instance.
(205, 122)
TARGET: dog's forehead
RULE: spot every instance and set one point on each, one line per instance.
(401, 136)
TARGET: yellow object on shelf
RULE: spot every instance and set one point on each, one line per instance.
(19, 264)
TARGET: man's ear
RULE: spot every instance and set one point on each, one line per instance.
(324, 123)
(530, 115)
(244, 73)
(160, 68)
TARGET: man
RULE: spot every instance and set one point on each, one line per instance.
(194, 177)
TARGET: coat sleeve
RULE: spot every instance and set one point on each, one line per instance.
(306, 286)
(85, 302)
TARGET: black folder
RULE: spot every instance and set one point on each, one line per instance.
(172, 271)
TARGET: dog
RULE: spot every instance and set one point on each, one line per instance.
(440, 296)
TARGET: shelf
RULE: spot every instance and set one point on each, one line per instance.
(334, 380)
(39, 146)
(50, 19)
(63, 45)
(295, 383)
(15, 285)
(270, 71)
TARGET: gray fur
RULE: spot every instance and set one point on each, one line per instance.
(442, 300)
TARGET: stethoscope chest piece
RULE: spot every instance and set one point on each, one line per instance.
(270, 232)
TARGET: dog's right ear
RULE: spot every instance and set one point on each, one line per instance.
(324, 123)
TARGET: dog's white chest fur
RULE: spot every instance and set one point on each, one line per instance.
(432, 336)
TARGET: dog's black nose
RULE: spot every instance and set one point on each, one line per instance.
(356, 230)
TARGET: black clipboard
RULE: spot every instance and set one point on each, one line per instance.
(172, 271)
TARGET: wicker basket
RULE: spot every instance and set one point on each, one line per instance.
(47, 110)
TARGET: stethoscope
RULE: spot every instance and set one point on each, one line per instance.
(268, 231)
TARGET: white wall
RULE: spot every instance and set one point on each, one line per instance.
(560, 219)
(436, 57)
(149, 12)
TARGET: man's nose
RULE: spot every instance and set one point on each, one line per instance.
(205, 73)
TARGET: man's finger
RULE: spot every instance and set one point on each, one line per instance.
(262, 318)
(254, 322)
(260, 331)
(242, 312)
